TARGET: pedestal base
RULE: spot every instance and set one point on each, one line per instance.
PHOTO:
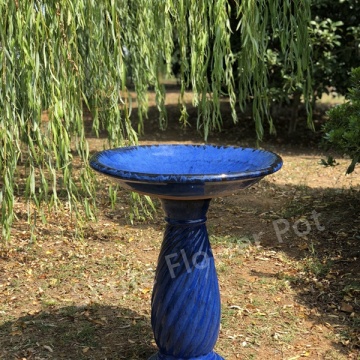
(211, 356)
(185, 314)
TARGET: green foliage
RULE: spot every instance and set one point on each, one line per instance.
(62, 56)
(326, 40)
(342, 131)
(53, 59)
(236, 59)
(336, 38)
(330, 161)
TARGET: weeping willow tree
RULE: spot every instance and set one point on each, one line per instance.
(61, 57)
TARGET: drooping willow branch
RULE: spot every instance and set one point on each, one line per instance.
(58, 56)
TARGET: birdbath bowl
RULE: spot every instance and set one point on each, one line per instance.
(185, 305)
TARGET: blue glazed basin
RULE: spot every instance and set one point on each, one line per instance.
(186, 172)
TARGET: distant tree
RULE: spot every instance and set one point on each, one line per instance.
(335, 41)
(342, 130)
(334, 34)
(261, 46)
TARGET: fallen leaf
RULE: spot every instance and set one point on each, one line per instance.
(345, 307)
(145, 290)
(16, 332)
(48, 348)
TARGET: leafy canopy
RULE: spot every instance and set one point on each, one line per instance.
(342, 131)
(59, 56)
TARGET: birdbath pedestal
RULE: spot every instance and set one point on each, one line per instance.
(185, 306)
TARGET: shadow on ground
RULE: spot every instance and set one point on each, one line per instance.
(326, 248)
(319, 229)
(89, 332)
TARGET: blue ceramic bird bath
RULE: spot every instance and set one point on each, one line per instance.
(185, 313)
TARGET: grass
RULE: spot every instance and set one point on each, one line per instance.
(317, 267)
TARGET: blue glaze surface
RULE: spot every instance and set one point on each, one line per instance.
(185, 314)
(186, 171)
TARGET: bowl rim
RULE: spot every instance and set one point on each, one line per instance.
(136, 176)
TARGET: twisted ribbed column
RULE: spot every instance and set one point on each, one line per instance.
(185, 313)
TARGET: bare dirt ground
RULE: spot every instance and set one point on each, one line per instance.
(286, 250)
